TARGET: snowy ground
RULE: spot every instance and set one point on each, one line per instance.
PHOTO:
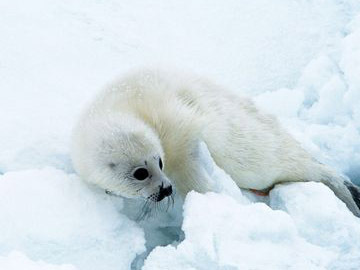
(299, 60)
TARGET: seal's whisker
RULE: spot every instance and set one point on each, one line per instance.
(141, 213)
(161, 206)
(156, 207)
(172, 200)
(167, 203)
(145, 211)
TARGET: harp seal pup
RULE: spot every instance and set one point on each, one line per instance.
(141, 135)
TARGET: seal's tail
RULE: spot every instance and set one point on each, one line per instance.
(344, 189)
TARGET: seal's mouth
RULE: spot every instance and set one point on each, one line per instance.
(155, 203)
(163, 193)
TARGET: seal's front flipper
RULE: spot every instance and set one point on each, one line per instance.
(262, 193)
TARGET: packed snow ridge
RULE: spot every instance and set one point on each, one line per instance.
(299, 60)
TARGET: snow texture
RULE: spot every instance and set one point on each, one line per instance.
(16, 261)
(298, 59)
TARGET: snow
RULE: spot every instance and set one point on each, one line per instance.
(299, 60)
(17, 260)
(226, 240)
(322, 109)
(50, 215)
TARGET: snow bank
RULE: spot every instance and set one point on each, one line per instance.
(322, 110)
(236, 236)
(54, 217)
(321, 219)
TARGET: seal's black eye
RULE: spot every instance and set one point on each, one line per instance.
(112, 165)
(160, 164)
(141, 174)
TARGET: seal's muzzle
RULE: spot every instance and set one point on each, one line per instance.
(164, 192)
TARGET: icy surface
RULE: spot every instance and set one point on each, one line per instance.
(237, 236)
(16, 261)
(299, 60)
(52, 216)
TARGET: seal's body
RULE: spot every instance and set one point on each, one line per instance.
(151, 117)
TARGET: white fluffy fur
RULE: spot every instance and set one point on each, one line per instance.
(170, 115)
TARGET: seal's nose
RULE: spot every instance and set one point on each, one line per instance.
(164, 192)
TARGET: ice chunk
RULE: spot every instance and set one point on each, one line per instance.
(221, 233)
(322, 219)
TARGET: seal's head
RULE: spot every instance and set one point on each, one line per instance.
(122, 155)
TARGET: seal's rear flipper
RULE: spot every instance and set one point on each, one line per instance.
(343, 188)
(355, 192)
